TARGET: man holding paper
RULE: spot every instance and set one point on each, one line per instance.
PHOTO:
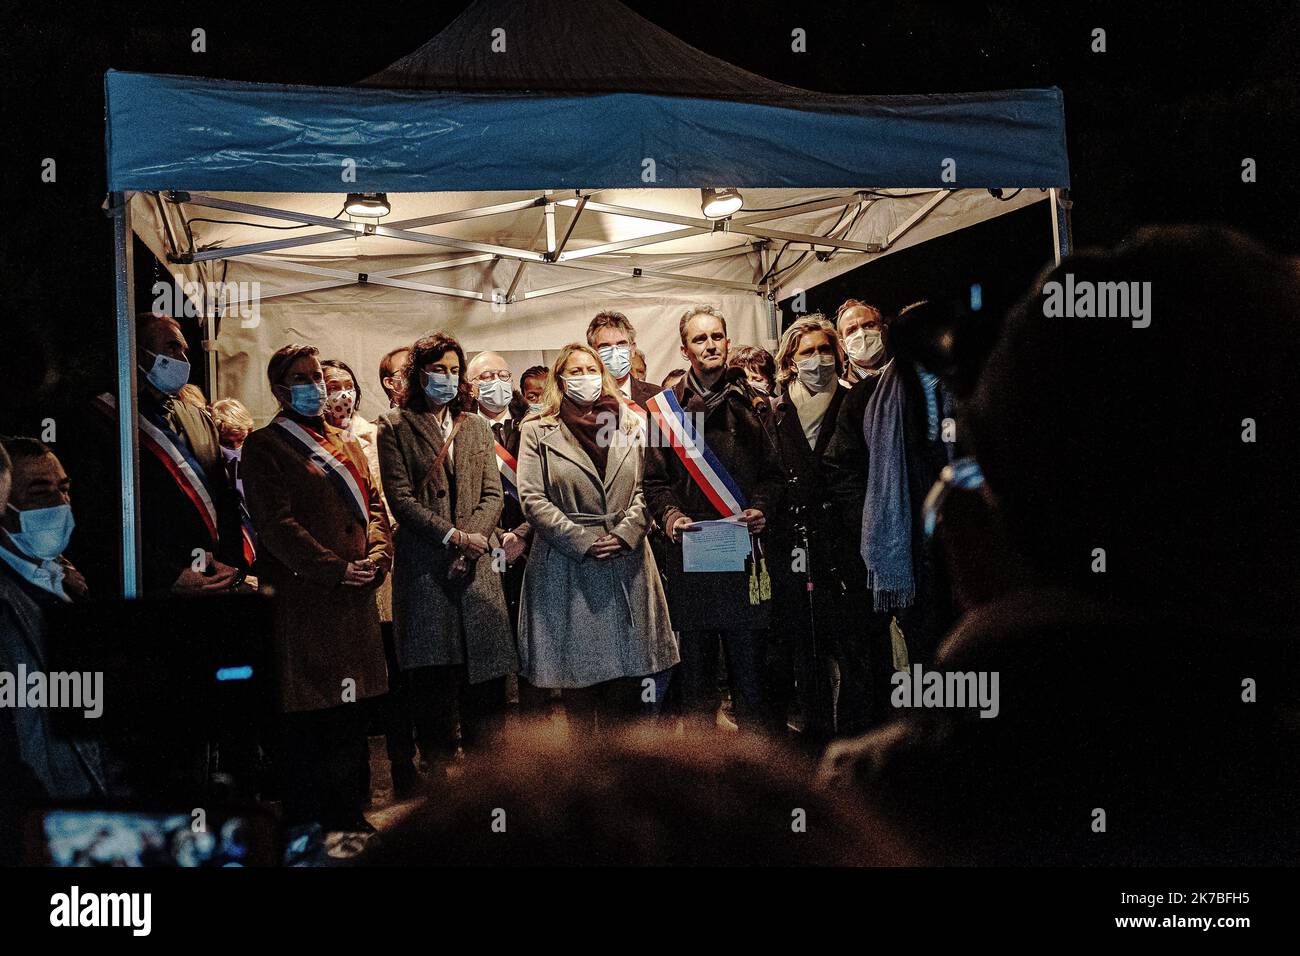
(714, 473)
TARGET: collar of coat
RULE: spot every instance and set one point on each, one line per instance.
(560, 440)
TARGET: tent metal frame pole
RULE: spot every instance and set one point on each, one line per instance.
(127, 399)
(1060, 224)
(363, 229)
(373, 278)
(566, 287)
(353, 277)
(342, 278)
(913, 220)
(345, 230)
(577, 212)
(637, 272)
(697, 226)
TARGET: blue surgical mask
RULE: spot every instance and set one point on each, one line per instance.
(617, 358)
(45, 531)
(440, 388)
(536, 407)
(168, 375)
(307, 399)
(494, 395)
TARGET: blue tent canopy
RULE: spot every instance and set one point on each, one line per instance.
(172, 132)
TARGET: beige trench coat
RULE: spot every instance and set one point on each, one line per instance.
(584, 620)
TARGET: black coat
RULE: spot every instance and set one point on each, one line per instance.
(738, 438)
(170, 526)
(845, 467)
(802, 463)
(512, 513)
(642, 392)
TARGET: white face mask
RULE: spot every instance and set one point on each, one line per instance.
(865, 347)
(817, 373)
(758, 386)
(340, 405)
(494, 395)
(583, 389)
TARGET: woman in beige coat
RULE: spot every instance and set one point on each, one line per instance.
(593, 618)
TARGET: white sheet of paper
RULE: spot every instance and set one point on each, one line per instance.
(721, 545)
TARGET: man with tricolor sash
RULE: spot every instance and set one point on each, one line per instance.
(731, 470)
(190, 533)
(504, 409)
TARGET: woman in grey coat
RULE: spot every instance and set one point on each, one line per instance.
(450, 623)
(593, 619)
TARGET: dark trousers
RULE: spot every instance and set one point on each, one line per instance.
(603, 707)
(865, 655)
(395, 715)
(438, 695)
(698, 674)
(324, 762)
(534, 702)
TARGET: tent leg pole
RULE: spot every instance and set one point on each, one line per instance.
(210, 353)
(1060, 226)
(127, 405)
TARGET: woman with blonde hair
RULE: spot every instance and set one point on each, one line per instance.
(809, 363)
(593, 619)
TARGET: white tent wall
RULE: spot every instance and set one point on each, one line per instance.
(310, 292)
(352, 325)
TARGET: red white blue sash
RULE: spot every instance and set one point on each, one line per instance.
(337, 467)
(700, 463)
(177, 460)
(507, 466)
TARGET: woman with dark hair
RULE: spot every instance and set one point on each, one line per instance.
(760, 370)
(450, 621)
(323, 545)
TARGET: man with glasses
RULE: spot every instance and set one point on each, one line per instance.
(492, 387)
(614, 339)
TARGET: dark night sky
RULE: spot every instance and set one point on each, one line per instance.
(1157, 125)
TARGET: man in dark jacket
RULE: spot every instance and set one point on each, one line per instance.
(614, 339)
(191, 538)
(504, 409)
(710, 606)
(1146, 655)
(867, 661)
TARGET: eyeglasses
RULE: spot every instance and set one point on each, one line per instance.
(503, 375)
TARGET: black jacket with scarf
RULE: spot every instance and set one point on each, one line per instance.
(739, 439)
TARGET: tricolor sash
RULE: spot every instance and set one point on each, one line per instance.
(177, 460)
(248, 535)
(507, 466)
(700, 463)
(337, 467)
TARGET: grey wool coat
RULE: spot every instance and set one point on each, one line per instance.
(583, 620)
(437, 621)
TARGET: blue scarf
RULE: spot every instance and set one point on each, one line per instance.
(887, 511)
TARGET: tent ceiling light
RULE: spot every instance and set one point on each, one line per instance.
(720, 203)
(367, 205)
